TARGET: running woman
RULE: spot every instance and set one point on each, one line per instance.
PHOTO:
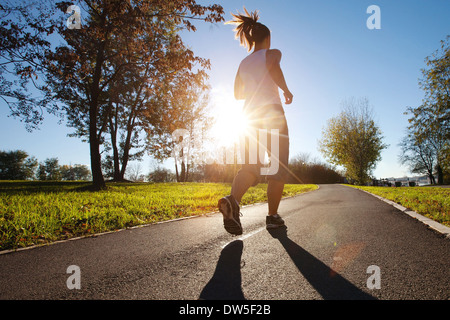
(257, 82)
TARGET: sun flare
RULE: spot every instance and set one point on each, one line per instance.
(230, 122)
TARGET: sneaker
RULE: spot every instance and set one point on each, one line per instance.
(230, 211)
(274, 221)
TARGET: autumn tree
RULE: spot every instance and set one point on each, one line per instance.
(186, 122)
(23, 44)
(113, 30)
(143, 100)
(353, 140)
(80, 74)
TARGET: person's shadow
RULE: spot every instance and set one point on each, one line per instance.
(225, 284)
(328, 283)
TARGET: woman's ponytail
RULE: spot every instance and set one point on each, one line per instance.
(248, 30)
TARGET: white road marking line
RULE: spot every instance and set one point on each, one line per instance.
(245, 236)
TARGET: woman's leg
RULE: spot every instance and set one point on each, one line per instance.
(241, 183)
(274, 194)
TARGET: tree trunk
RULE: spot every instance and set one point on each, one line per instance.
(183, 172)
(440, 174)
(176, 171)
(113, 133)
(96, 165)
(127, 146)
(94, 137)
(431, 177)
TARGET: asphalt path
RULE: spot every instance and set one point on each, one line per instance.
(340, 243)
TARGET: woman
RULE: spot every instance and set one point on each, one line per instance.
(257, 81)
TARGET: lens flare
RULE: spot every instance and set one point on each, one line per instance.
(230, 122)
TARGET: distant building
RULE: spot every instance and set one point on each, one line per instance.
(404, 181)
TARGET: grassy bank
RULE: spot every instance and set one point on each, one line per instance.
(431, 202)
(40, 212)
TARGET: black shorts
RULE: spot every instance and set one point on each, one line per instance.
(269, 134)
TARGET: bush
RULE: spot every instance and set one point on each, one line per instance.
(305, 171)
(161, 175)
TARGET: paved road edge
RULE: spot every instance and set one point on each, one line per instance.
(444, 230)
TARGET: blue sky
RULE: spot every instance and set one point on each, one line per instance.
(329, 55)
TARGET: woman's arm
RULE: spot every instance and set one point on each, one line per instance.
(238, 88)
(273, 58)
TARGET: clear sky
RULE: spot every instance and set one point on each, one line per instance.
(329, 55)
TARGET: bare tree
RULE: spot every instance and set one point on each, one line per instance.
(134, 172)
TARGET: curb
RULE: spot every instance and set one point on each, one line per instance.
(95, 235)
(444, 230)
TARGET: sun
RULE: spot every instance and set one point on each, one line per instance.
(230, 123)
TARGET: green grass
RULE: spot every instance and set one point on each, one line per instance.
(431, 202)
(34, 213)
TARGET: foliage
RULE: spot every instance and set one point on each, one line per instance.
(17, 165)
(23, 45)
(429, 129)
(305, 170)
(74, 172)
(185, 108)
(122, 48)
(419, 154)
(160, 174)
(353, 140)
(33, 213)
(50, 169)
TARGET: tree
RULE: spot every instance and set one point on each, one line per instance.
(17, 165)
(185, 123)
(138, 100)
(41, 174)
(353, 140)
(78, 74)
(430, 122)
(67, 172)
(419, 155)
(195, 120)
(75, 172)
(160, 174)
(50, 170)
(23, 45)
(134, 173)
